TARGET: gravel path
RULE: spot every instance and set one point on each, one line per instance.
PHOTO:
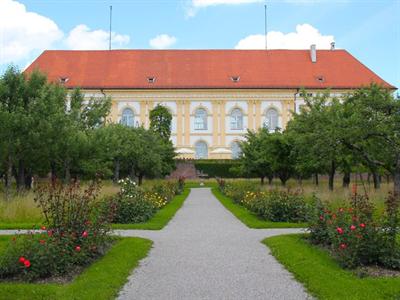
(206, 253)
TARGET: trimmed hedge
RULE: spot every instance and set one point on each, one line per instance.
(225, 168)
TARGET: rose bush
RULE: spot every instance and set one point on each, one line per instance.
(76, 234)
(354, 237)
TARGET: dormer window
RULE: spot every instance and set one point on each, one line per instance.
(151, 79)
(63, 79)
(320, 78)
(235, 78)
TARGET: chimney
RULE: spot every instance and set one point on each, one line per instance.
(313, 53)
(332, 46)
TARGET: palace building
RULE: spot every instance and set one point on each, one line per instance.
(215, 96)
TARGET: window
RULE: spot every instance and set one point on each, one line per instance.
(200, 119)
(236, 150)
(151, 79)
(235, 78)
(128, 118)
(271, 119)
(201, 150)
(236, 119)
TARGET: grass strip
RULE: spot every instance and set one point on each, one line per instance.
(321, 274)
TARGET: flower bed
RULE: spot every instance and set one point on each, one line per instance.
(355, 237)
(135, 204)
(76, 234)
(274, 205)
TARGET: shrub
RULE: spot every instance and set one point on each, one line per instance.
(354, 237)
(136, 204)
(277, 206)
(237, 190)
(224, 168)
(132, 205)
(76, 234)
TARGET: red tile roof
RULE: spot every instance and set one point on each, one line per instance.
(175, 69)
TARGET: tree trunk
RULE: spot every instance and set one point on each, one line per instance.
(369, 178)
(67, 168)
(346, 179)
(28, 181)
(332, 175)
(316, 178)
(283, 180)
(140, 179)
(270, 179)
(396, 179)
(377, 183)
(8, 178)
(53, 175)
(117, 167)
(20, 178)
(262, 180)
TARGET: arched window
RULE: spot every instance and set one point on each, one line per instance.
(128, 118)
(236, 119)
(271, 119)
(201, 150)
(236, 150)
(200, 119)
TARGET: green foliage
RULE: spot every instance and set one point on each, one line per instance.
(136, 204)
(225, 168)
(160, 121)
(354, 237)
(274, 205)
(77, 234)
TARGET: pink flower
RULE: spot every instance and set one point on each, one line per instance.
(341, 209)
(321, 218)
(43, 227)
(49, 232)
(84, 234)
(362, 225)
(21, 259)
(77, 248)
(352, 227)
(339, 230)
(343, 246)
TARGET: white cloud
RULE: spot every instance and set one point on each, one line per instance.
(195, 5)
(22, 32)
(304, 36)
(162, 41)
(82, 38)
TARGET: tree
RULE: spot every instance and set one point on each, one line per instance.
(371, 130)
(316, 134)
(254, 159)
(160, 121)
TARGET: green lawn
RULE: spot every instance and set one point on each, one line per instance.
(323, 277)
(247, 217)
(162, 217)
(102, 280)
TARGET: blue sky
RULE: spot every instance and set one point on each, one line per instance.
(370, 30)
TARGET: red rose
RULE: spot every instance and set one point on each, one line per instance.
(84, 234)
(42, 242)
(321, 218)
(339, 230)
(49, 232)
(43, 227)
(362, 225)
(333, 216)
(22, 259)
(77, 248)
(27, 263)
(352, 227)
(341, 209)
(343, 246)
